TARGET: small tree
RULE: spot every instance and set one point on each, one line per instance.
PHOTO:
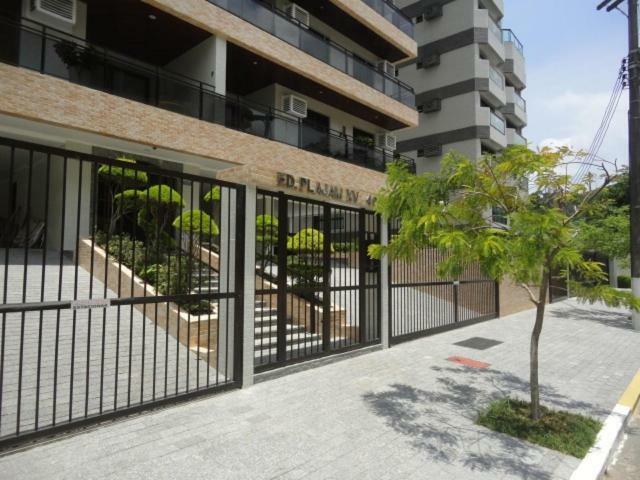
(160, 204)
(266, 238)
(118, 180)
(304, 258)
(450, 210)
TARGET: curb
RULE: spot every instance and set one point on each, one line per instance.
(595, 463)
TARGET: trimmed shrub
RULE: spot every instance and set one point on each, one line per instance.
(212, 195)
(306, 240)
(196, 222)
(127, 177)
(163, 194)
(624, 281)
(345, 247)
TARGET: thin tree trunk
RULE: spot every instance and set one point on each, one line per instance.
(535, 339)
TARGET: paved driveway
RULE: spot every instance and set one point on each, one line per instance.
(402, 413)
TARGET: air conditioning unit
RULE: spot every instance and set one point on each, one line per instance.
(432, 12)
(386, 141)
(433, 105)
(430, 150)
(57, 10)
(429, 61)
(387, 67)
(298, 13)
(295, 106)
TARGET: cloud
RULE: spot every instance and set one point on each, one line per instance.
(572, 118)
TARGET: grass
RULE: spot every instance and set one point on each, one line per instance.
(563, 431)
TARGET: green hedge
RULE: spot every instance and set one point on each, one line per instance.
(624, 281)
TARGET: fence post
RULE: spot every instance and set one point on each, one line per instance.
(249, 286)
(385, 289)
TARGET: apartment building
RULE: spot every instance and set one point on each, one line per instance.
(468, 76)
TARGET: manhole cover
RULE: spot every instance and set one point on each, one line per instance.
(478, 343)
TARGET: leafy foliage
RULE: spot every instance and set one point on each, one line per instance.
(212, 195)
(607, 234)
(306, 240)
(345, 247)
(624, 281)
(163, 195)
(196, 222)
(170, 277)
(563, 431)
(126, 177)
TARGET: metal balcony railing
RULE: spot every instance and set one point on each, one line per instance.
(56, 53)
(392, 13)
(509, 37)
(282, 26)
(497, 123)
(519, 101)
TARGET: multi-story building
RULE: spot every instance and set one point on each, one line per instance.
(468, 77)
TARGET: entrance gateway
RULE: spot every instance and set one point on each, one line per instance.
(122, 286)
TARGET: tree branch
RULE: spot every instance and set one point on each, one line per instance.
(531, 295)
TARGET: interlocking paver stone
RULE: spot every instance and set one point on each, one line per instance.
(401, 413)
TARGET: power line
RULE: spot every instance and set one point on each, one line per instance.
(592, 154)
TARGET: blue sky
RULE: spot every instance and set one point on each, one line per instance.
(573, 54)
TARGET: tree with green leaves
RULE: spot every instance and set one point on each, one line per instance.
(304, 255)
(160, 204)
(120, 180)
(451, 210)
(266, 238)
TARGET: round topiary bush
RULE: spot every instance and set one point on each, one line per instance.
(212, 195)
(127, 177)
(307, 240)
(196, 222)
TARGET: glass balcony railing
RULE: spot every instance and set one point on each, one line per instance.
(497, 123)
(393, 14)
(282, 26)
(495, 30)
(519, 101)
(509, 37)
(58, 54)
(496, 77)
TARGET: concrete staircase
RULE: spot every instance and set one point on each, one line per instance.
(299, 341)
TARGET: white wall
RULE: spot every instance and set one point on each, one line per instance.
(198, 63)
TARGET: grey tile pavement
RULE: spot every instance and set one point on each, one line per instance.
(402, 413)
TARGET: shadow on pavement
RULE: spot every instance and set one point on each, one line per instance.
(441, 422)
(592, 314)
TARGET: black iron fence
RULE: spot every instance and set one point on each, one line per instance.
(421, 302)
(121, 287)
(46, 50)
(316, 290)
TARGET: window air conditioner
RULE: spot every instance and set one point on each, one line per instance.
(295, 106)
(386, 141)
(432, 12)
(60, 10)
(298, 13)
(387, 67)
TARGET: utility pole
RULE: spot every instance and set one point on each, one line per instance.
(634, 152)
(634, 142)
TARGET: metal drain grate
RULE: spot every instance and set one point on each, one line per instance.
(478, 343)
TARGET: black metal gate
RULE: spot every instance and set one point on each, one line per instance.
(121, 287)
(317, 292)
(422, 303)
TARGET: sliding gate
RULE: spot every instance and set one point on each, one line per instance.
(422, 303)
(121, 287)
(317, 292)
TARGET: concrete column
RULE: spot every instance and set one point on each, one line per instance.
(249, 286)
(220, 71)
(226, 309)
(385, 287)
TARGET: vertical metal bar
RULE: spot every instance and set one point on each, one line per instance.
(93, 217)
(496, 294)
(362, 276)
(326, 279)
(5, 289)
(61, 264)
(238, 297)
(24, 290)
(282, 277)
(43, 47)
(42, 289)
(75, 288)
(456, 313)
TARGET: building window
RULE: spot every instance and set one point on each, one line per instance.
(419, 18)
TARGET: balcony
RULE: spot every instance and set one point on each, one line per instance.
(393, 14)
(514, 66)
(494, 128)
(58, 54)
(279, 24)
(494, 93)
(516, 108)
(514, 138)
(491, 44)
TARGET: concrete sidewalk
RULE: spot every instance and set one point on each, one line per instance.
(401, 413)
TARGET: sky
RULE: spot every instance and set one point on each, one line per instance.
(573, 54)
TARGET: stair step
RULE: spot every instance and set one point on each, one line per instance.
(262, 331)
(308, 346)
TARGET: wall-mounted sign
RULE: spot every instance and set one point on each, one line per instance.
(332, 192)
